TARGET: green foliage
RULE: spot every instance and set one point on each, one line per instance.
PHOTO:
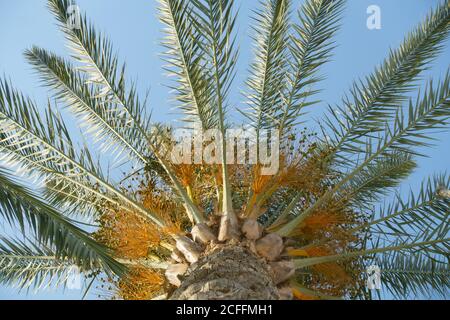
(98, 115)
(376, 180)
(377, 99)
(422, 214)
(19, 206)
(25, 265)
(183, 43)
(406, 276)
(101, 66)
(430, 112)
(310, 47)
(266, 82)
(45, 149)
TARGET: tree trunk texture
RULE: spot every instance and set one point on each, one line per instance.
(227, 273)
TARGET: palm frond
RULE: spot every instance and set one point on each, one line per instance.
(267, 73)
(26, 266)
(184, 59)
(20, 206)
(437, 246)
(108, 125)
(311, 46)
(420, 212)
(215, 20)
(429, 113)
(100, 99)
(404, 276)
(377, 179)
(100, 64)
(45, 149)
(377, 99)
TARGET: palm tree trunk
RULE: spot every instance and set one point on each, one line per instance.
(229, 273)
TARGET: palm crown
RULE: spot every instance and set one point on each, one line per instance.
(315, 224)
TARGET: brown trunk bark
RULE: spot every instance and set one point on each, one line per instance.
(227, 273)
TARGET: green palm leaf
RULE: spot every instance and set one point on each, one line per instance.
(266, 82)
(45, 148)
(183, 56)
(411, 275)
(24, 265)
(215, 20)
(436, 246)
(430, 112)
(376, 180)
(311, 46)
(420, 212)
(377, 99)
(101, 66)
(20, 206)
(108, 125)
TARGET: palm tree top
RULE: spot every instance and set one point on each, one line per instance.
(313, 227)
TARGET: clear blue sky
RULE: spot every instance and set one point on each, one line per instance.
(134, 29)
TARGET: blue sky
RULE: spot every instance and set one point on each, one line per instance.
(135, 31)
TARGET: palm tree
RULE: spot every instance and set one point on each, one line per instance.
(212, 231)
